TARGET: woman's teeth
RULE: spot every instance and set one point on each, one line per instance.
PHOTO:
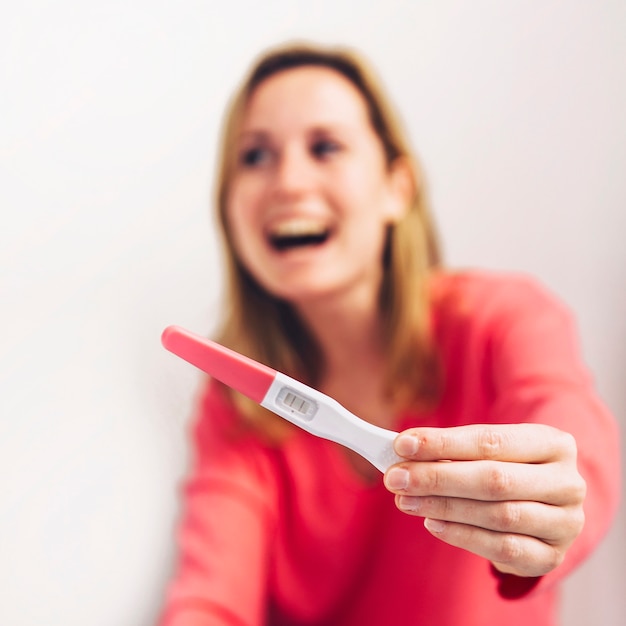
(298, 232)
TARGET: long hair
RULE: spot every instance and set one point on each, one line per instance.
(268, 329)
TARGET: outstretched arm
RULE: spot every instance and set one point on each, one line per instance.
(528, 473)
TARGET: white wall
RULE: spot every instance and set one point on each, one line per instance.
(108, 120)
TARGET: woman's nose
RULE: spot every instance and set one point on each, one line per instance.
(295, 173)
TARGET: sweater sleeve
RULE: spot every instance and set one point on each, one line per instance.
(224, 534)
(538, 376)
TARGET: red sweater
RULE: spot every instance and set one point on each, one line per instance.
(290, 535)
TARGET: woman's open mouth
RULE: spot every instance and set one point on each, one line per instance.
(297, 233)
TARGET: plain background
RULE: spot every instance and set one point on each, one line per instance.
(109, 115)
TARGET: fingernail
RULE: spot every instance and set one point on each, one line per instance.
(409, 503)
(406, 445)
(397, 478)
(434, 525)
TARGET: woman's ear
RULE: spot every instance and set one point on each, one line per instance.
(402, 189)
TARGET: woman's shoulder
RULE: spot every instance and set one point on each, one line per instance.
(481, 290)
(484, 299)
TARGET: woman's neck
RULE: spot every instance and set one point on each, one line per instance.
(348, 330)
(349, 333)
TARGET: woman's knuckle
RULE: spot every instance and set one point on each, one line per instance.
(498, 482)
(446, 507)
(581, 488)
(434, 479)
(567, 444)
(509, 549)
(576, 491)
(508, 516)
(577, 521)
(555, 558)
(490, 444)
(446, 444)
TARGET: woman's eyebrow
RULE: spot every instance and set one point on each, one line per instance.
(253, 135)
(325, 129)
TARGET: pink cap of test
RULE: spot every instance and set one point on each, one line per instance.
(247, 376)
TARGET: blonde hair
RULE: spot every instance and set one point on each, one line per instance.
(268, 329)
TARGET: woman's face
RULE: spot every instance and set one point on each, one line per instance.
(311, 193)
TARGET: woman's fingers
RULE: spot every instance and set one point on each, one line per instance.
(510, 493)
(551, 524)
(519, 443)
(510, 553)
(488, 481)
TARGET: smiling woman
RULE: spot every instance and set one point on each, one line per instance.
(325, 142)
(335, 279)
(318, 165)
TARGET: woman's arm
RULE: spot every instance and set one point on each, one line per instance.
(535, 486)
(228, 515)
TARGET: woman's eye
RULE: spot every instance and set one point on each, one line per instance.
(324, 148)
(254, 156)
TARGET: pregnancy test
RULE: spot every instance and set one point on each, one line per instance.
(294, 401)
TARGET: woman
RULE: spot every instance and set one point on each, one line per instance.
(334, 278)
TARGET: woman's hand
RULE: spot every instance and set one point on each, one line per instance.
(510, 493)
